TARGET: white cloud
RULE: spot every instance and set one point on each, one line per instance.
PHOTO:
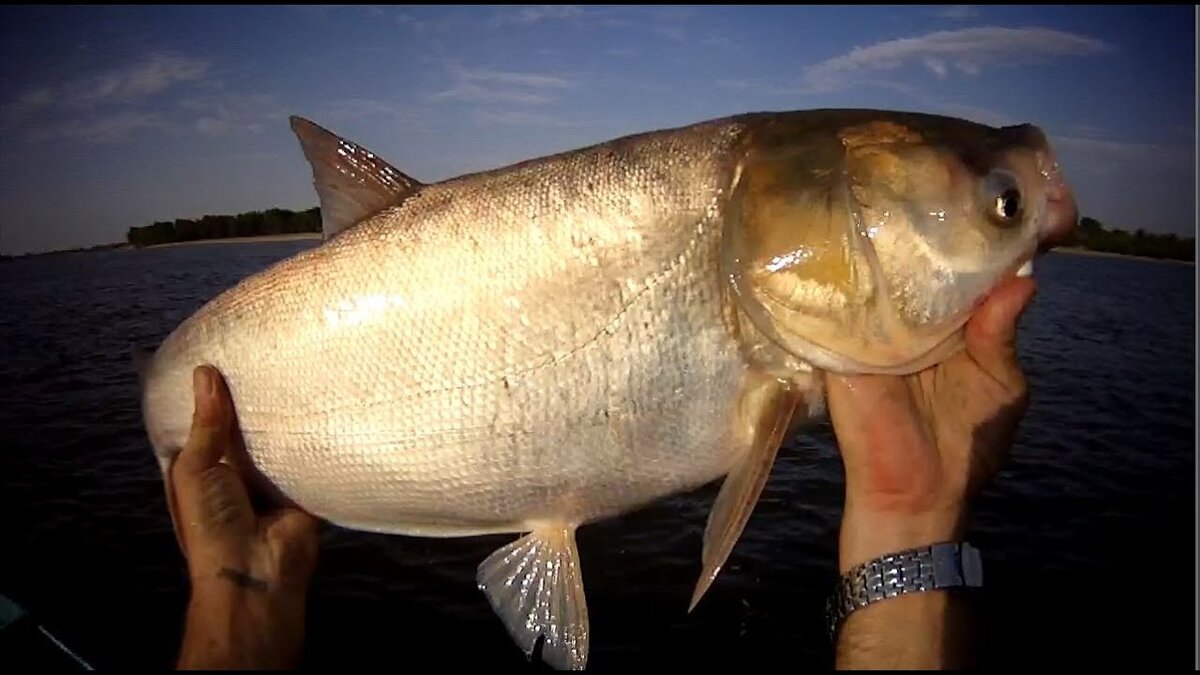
(118, 86)
(622, 51)
(922, 101)
(102, 107)
(230, 114)
(1102, 157)
(407, 117)
(406, 20)
(969, 50)
(972, 113)
(1086, 130)
(955, 12)
(663, 22)
(591, 17)
(100, 129)
(358, 108)
(316, 10)
(501, 86)
(1117, 150)
(670, 32)
(26, 105)
(734, 83)
(527, 15)
(524, 118)
(436, 27)
(154, 75)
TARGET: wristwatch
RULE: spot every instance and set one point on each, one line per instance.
(944, 565)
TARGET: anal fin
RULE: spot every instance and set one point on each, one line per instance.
(770, 407)
(534, 585)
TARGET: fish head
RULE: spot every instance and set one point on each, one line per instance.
(862, 242)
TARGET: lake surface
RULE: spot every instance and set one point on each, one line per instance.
(1088, 534)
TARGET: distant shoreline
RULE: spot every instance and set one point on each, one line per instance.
(261, 238)
(313, 236)
(1072, 250)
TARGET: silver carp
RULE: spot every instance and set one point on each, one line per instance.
(541, 346)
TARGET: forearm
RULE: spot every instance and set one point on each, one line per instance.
(917, 631)
(924, 630)
(232, 625)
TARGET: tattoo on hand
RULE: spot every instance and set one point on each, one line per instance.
(242, 579)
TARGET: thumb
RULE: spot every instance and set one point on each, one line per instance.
(992, 332)
(210, 425)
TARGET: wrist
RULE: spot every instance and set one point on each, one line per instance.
(232, 624)
(869, 533)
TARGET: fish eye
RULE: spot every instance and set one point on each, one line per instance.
(1002, 197)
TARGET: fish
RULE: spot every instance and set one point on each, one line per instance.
(533, 348)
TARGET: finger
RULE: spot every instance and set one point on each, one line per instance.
(229, 443)
(234, 443)
(292, 524)
(991, 334)
(208, 438)
(293, 534)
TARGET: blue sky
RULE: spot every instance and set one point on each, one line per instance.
(118, 116)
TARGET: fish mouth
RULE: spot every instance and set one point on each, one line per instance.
(1021, 268)
(1061, 213)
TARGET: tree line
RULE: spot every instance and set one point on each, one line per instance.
(1092, 235)
(252, 224)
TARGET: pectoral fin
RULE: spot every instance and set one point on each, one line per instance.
(771, 412)
(534, 585)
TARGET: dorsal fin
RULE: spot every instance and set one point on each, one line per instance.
(352, 182)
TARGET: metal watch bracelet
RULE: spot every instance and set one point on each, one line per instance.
(940, 566)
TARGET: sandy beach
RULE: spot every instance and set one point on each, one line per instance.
(300, 236)
(296, 236)
(1084, 251)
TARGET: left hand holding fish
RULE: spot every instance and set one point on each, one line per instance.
(249, 571)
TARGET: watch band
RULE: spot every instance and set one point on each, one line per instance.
(940, 566)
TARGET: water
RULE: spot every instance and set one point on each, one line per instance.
(1088, 533)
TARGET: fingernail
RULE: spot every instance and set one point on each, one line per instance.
(202, 380)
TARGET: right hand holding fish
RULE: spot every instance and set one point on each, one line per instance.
(916, 451)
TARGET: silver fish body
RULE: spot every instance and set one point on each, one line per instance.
(544, 343)
(567, 339)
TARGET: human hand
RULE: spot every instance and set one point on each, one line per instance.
(249, 571)
(918, 449)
